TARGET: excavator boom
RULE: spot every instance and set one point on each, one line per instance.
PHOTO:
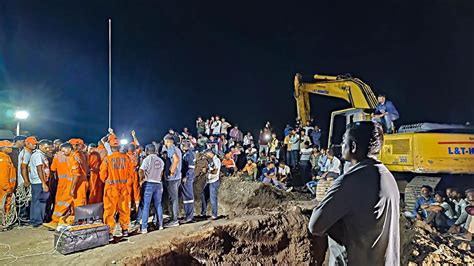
(352, 90)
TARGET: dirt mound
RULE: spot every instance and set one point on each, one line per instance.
(237, 195)
(274, 238)
(421, 245)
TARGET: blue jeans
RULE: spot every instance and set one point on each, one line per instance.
(386, 121)
(173, 189)
(311, 185)
(293, 159)
(273, 181)
(38, 204)
(152, 191)
(213, 192)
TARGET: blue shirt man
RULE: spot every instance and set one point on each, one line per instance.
(425, 199)
(187, 193)
(385, 113)
(316, 136)
(173, 179)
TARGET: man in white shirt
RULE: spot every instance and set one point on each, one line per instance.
(248, 139)
(332, 166)
(151, 173)
(39, 174)
(23, 181)
(440, 213)
(216, 127)
(283, 171)
(213, 169)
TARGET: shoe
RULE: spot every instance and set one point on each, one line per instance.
(124, 233)
(161, 228)
(214, 218)
(143, 231)
(289, 189)
(111, 238)
(172, 224)
(187, 221)
(51, 226)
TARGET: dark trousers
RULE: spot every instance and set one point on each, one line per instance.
(305, 173)
(38, 204)
(187, 192)
(172, 186)
(213, 193)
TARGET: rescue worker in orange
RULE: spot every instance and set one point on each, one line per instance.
(133, 152)
(79, 169)
(63, 200)
(7, 177)
(96, 186)
(116, 173)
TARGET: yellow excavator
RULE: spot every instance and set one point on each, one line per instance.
(417, 154)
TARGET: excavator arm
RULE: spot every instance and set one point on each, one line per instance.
(352, 90)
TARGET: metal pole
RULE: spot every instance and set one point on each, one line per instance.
(110, 73)
(18, 127)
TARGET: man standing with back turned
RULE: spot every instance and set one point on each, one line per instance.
(367, 228)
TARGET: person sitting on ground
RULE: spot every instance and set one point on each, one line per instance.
(322, 161)
(424, 199)
(229, 165)
(269, 177)
(283, 172)
(313, 160)
(440, 213)
(467, 230)
(251, 152)
(332, 166)
(249, 173)
(385, 113)
(460, 205)
(248, 140)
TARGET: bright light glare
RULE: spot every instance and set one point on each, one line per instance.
(21, 115)
(123, 141)
(267, 136)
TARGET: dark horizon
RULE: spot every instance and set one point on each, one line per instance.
(173, 62)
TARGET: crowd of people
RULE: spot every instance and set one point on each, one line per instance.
(131, 178)
(447, 211)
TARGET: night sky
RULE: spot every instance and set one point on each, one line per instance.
(175, 61)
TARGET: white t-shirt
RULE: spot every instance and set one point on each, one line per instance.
(23, 158)
(333, 165)
(153, 167)
(211, 178)
(284, 171)
(38, 158)
(247, 140)
(305, 154)
(216, 127)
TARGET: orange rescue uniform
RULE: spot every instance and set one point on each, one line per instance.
(7, 179)
(134, 159)
(116, 173)
(79, 167)
(96, 186)
(63, 199)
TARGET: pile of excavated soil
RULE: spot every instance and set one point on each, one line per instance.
(237, 195)
(421, 245)
(279, 237)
